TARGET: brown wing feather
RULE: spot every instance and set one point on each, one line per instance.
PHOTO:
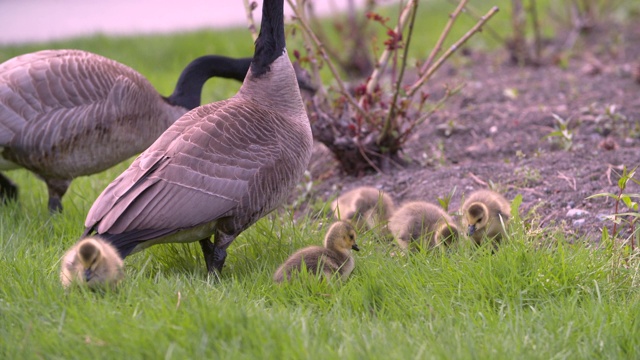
(173, 184)
(63, 106)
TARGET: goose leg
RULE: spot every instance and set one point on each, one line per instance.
(216, 253)
(208, 250)
(57, 188)
(8, 190)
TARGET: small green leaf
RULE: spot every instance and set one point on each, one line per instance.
(613, 196)
(515, 206)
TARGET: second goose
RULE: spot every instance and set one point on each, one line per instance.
(69, 113)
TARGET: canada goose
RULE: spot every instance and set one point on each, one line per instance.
(483, 214)
(365, 206)
(334, 258)
(69, 113)
(420, 221)
(220, 167)
(93, 262)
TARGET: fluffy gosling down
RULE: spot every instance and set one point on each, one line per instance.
(483, 215)
(92, 262)
(366, 207)
(422, 224)
(334, 258)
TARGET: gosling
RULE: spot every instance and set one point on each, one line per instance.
(366, 207)
(484, 213)
(92, 262)
(333, 258)
(421, 224)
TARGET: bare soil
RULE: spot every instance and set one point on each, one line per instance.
(495, 133)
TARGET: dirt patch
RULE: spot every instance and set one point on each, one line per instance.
(496, 132)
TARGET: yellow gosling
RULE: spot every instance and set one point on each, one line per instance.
(334, 258)
(366, 207)
(421, 224)
(483, 214)
(92, 262)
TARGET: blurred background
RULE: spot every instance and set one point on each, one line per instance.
(26, 21)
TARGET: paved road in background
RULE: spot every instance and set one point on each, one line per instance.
(24, 21)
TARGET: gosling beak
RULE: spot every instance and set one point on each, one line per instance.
(355, 247)
(471, 230)
(87, 275)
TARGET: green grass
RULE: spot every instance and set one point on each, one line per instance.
(527, 300)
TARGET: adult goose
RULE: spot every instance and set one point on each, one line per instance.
(68, 113)
(220, 167)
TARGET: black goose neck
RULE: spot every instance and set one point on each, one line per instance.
(188, 89)
(270, 43)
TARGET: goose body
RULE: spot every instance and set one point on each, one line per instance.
(69, 113)
(334, 258)
(91, 262)
(366, 207)
(422, 224)
(220, 167)
(483, 214)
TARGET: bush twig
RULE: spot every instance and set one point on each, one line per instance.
(477, 27)
(381, 65)
(445, 32)
(325, 57)
(249, 6)
(394, 102)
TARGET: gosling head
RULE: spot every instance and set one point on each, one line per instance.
(341, 237)
(91, 262)
(446, 234)
(477, 217)
(90, 256)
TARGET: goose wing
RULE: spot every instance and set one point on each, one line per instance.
(62, 93)
(199, 170)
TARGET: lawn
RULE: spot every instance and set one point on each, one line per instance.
(540, 296)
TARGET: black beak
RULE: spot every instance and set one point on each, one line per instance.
(355, 247)
(87, 275)
(471, 230)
